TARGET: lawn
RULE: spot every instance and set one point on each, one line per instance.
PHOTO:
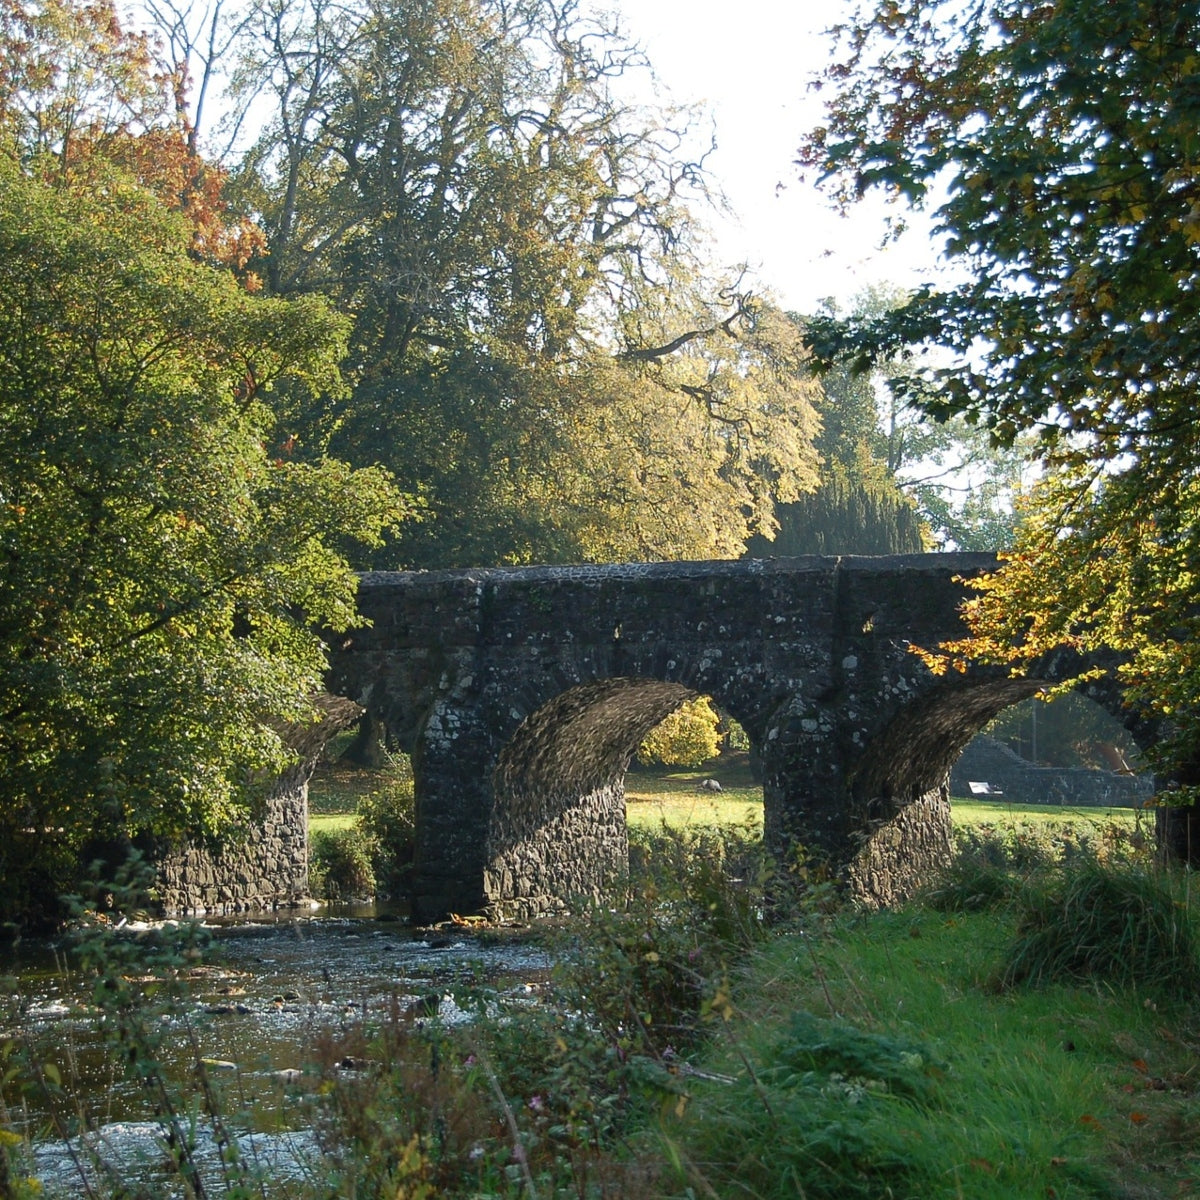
(675, 798)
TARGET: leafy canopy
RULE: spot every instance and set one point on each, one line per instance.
(536, 346)
(162, 579)
(1056, 144)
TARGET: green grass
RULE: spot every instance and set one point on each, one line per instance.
(329, 822)
(1005, 814)
(673, 798)
(910, 1074)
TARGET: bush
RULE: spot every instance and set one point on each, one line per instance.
(1117, 924)
(833, 1114)
(655, 970)
(686, 738)
(340, 865)
(386, 821)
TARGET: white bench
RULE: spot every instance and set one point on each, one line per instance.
(983, 789)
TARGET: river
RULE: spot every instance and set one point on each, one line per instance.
(274, 994)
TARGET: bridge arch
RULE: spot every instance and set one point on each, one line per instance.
(557, 826)
(522, 695)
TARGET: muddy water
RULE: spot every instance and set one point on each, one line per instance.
(273, 995)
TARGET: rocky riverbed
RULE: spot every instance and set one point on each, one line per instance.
(269, 999)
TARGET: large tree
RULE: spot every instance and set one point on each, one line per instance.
(163, 580)
(1056, 143)
(535, 347)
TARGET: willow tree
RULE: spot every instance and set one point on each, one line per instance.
(1056, 145)
(535, 347)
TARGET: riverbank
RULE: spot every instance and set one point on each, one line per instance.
(718, 1027)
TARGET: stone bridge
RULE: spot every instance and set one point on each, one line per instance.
(522, 695)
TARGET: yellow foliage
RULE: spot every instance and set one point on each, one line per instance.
(686, 738)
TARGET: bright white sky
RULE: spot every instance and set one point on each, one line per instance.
(749, 61)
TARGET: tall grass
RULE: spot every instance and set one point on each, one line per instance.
(692, 1043)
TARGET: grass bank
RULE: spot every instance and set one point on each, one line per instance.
(883, 1059)
(675, 799)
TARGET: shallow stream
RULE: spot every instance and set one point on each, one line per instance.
(274, 994)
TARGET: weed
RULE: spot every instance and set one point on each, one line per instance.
(971, 886)
(340, 866)
(386, 818)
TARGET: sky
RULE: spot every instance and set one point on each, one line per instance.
(748, 62)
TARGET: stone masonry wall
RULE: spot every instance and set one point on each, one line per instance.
(987, 760)
(264, 866)
(522, 694)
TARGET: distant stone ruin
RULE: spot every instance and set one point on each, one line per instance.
(986, 760)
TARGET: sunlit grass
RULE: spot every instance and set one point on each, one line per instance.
(1005, 814)
(1057, 1091)
(329, 822)
(675, 798)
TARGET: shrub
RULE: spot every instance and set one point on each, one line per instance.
(340, 865)
(386, 821)
(835, 1115)
(655, 969)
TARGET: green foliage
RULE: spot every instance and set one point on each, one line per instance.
(968, 885)
(1055, 144)
(1119, 926)
(878, 1060)
(816, 1051)
(824, 1118)
(994, 867)
(537, 348)
(162, 578)
(844, 517)
(959, 485)
(656, 972)
(340, 865)
(386, 819)
(687, 737)
(1060, 140)
(374, 855)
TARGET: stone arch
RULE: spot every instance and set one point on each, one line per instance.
(900, 783)
(812, 656)
(558, 826)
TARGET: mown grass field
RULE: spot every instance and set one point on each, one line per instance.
(674, 798)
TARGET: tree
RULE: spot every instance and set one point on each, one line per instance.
(960, 482)
(844, 516)
(80, 94)
(534, 347)
(1056, 143)
(688, 737)
(163, 581)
